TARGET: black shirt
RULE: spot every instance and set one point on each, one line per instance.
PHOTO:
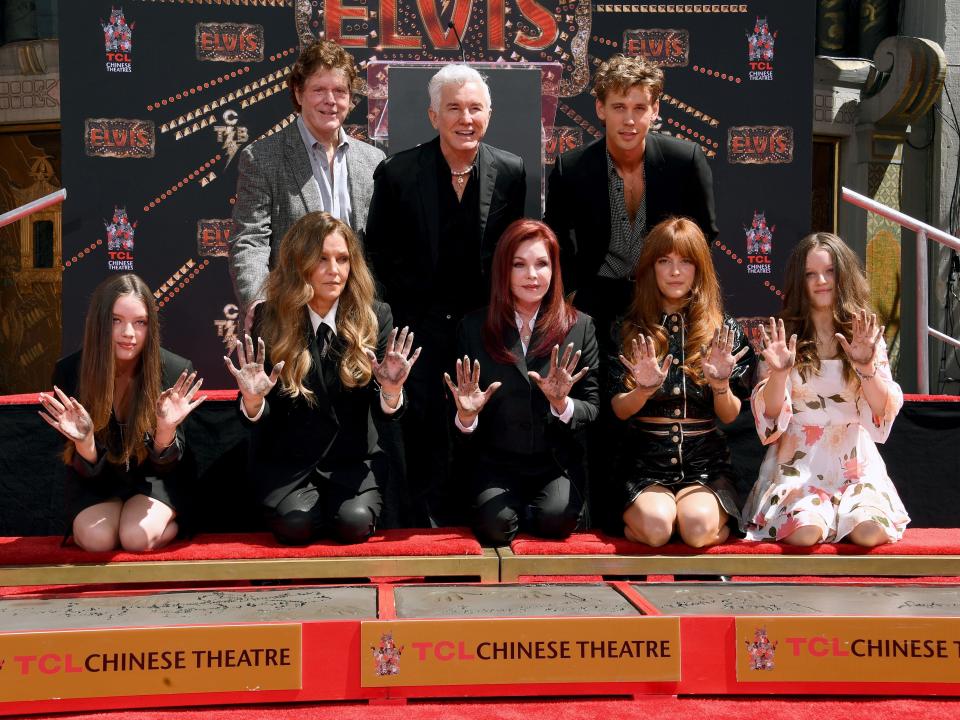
(459, 282)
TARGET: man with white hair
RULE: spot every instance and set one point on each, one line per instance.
(435, 217)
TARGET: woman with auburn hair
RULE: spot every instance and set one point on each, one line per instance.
(314, 400)
(124, 434)
(825, 399)
(687, 365)
(532, 351)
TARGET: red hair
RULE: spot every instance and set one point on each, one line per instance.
(556, 315)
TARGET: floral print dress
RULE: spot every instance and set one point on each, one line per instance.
(823, 467)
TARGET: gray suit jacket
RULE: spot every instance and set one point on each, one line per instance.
(275, 188)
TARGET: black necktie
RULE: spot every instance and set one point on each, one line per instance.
(325, 337)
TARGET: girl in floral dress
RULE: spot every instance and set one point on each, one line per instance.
(826, 398)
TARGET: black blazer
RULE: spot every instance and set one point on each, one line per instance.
(678, 182)
(291, 437)
(66, 376)
(403, 238)
(517, 421)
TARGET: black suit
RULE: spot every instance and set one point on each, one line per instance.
(318, 468)
(404, 246)
(157, 477)
(521, 455)
(678, 182)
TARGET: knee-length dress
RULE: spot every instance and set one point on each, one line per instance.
(823, 467)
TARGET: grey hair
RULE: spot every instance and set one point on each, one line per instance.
(459, 74)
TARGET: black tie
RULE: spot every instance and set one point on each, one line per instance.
(325, 337)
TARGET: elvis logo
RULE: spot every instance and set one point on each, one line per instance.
(561, 139)
(386, 656)
(666, 48)
(213, 237)
(760, 144)
(229, 42)
(759, 244)
(760, 50)
(120, 232)
(761, 650)
(227, 327)
(118, 42)
(119, 138)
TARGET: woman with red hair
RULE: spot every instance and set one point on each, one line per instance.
(685, 365)
(524, 364)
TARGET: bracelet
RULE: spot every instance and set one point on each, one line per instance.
(389, 397)
(863, 377)
(721, 391)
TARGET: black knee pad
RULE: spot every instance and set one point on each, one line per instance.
(354, 524)
(293, 528)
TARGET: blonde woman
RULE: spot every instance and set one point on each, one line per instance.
(313, 388)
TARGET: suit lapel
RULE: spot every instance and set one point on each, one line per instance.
(487, 171)
(426, 183)
(300, 169)
(598, 195)
(656, 184)
(516, 347)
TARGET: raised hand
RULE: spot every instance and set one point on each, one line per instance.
(718, 361)
(467, 394)
(779, 354)
(253, 382)
(67, 416)
(862, 351)
(556, 385)
(174, 404)
(647, 373)
(394, 370)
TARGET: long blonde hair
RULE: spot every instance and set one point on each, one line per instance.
(704, 308)
(98, 370)
(288, 291)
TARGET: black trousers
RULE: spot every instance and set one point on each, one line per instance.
(531, 494)
(343, 504)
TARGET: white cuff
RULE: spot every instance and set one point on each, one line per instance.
(243, 409)
(567, 411)
(386, 408)
(466, 430)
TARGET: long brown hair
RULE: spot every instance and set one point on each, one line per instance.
(704, 308)
(288, 291)
(98, 370)
(851, 295)
(556, 315)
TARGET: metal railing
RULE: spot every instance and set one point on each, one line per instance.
(924, 232)
(33, 206)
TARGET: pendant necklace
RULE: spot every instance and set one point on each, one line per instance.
(461, 176)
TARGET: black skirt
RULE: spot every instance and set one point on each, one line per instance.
(675, 456)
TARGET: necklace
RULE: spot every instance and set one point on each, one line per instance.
(461, 176)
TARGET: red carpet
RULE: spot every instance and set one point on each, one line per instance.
(649, 708)
(243, 546)
(916, 541)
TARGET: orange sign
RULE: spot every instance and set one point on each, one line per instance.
(848, 649)
(154, 661)
(519, 650)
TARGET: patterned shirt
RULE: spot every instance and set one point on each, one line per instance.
(626, 240)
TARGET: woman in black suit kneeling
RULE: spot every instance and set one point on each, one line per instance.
(314, 401)
(532, 351)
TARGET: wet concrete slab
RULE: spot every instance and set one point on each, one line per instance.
(466, 601)
(796, 599)
(166, 609)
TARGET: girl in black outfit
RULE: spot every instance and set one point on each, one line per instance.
(526, 453)
(124, 434)
(685, 365)
(315, 401)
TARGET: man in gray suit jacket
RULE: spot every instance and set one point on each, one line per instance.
(312, 164)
